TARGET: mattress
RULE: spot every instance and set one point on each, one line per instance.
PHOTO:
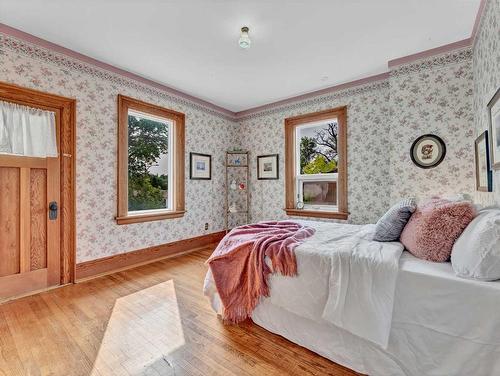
(441, 324)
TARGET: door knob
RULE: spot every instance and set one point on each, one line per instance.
(53, 210)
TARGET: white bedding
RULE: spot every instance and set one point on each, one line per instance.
(441, 324)
(344, 278)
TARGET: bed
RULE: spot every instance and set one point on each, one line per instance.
(439, 324)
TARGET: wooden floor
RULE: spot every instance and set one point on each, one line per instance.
(151, 320)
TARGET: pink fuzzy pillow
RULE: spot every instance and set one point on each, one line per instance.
(433, 228)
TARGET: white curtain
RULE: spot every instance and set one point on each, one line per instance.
(27, 131)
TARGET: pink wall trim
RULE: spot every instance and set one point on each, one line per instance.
(16, 33)
(331, 89)
(477, 22)
(447, 47)
(5, 29)
(428, 53)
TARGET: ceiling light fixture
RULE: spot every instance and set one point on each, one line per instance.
(244, 40)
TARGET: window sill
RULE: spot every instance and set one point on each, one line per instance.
(316, 213)
(129, 219)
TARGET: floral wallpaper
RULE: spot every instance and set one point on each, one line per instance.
(368, 132)
(486, 63)
(96, 91)
(432, 96)
(383, 120)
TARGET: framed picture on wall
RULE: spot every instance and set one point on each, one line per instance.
(428, 151)
(200, 166)
(267, 167)
(483, 171)
(494, 127)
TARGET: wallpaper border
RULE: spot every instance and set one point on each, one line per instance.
(47, 55)
(432, 62)
(66, 62)
(376, 85)
(438, 61)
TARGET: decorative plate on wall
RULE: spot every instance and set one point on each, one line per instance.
(428, 151)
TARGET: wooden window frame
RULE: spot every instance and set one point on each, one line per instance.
(123, 216)
(290, 164)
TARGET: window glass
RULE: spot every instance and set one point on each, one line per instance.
(149, 162)
(320, 192)
(318, 148)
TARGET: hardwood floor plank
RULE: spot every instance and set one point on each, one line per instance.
(26, 346)
(150, 320)
(9, 357)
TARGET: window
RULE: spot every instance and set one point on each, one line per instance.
(150, 162)
(316, 164)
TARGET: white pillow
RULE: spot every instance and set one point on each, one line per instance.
(476, 253)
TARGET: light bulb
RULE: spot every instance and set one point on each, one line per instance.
(244, 40)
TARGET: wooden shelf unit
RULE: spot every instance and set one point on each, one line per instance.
(239, 173)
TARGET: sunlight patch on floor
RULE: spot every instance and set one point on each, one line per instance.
(143, 329)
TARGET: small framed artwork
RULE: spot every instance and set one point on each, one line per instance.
(267, 167)
(200, 166)
(483, 171)
(428, 151)
(494, 127)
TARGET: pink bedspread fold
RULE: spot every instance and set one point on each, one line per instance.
(238, 263)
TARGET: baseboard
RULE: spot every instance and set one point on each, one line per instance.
(106, 265)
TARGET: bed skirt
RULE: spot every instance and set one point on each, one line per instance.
(446, 355)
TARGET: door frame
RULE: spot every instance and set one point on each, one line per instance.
(67, 136)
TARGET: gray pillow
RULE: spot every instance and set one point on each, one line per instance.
(390, 226)
(476, 253)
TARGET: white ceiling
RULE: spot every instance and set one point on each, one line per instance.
(298, 46)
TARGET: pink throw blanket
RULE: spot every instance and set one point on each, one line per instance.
(238, 263)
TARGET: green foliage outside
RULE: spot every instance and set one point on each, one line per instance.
(307, 152)
(319, 165)
(147, 140)
(318, 154)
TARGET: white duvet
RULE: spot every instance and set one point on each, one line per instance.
(344, 278)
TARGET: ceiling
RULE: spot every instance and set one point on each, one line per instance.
(298, 46)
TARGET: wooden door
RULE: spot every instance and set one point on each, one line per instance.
(29, 239)
(36, 252)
